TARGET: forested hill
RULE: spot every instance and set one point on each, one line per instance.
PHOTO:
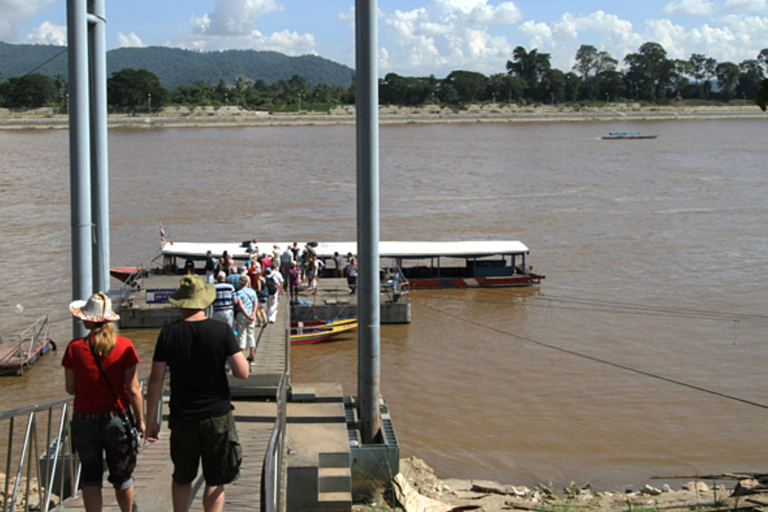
(174, 66)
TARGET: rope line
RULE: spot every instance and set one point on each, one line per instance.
(597, 359)
(46, 62)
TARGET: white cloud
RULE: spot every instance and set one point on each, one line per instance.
(446, 35)
(235, 17)
(746, 5)
(286, 41)
(690, 7)
(131, 40)
(48, 33)
(15, 12)
(539, 34)
(232, 25)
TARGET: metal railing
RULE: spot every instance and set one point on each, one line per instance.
(58, 469)
(26, 343)
(28, 462)
(271, 470)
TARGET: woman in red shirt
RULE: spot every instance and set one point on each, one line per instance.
(96, 425)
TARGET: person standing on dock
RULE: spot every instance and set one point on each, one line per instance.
(100, 371)
(285, 266)
(272, 291)
(352, 275)
(245, 306)
(223, 304)
(196, 350)
(210, 266)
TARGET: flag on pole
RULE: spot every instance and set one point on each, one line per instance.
(162, 235)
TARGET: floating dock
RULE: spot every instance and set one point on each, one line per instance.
(147, 306)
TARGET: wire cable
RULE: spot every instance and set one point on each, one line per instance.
(46, 62)
(597, 359)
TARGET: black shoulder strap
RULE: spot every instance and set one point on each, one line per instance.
(120, 410)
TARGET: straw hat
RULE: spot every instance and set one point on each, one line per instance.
(98, 308)
(193, 293)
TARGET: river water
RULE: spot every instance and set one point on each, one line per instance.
(623, 364)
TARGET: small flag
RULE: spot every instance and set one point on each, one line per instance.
(162, 235)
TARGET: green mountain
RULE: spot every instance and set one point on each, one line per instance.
(174, 66)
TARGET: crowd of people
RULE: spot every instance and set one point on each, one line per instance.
(247, 297)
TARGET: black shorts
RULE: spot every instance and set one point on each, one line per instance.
(214, 440)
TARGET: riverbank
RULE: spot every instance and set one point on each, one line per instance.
(417, 489)
(183, 117)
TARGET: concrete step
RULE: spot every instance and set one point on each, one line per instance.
(334, 480)
(338, 459)
(335, 502)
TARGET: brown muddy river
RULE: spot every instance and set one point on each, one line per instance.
(628, 361)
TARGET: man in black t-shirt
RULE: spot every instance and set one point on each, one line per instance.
(196, 349)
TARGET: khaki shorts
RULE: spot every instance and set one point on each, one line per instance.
(214, 440)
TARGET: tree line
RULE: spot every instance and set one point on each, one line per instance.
(648, 76)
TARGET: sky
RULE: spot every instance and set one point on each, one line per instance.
(417, 37)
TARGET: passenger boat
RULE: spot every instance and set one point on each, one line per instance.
(627, 136)
(20, 351)
(457, 264)
(318, 334)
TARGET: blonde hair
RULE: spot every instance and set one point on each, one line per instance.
(103, 337)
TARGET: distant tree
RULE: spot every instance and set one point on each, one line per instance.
(134, 90)
(505, 88)
(750, 75)
(529, 66)
(680, 81)
(399, 90)
(710, 72)
(29, 91)
(727, 78)
(60, 84)
(650, 73)
(590, 59)
(465, 86)
(612, 85)
(762, 58)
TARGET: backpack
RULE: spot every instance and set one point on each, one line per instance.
(271, 285)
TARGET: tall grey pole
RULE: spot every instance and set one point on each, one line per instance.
(99, 161)
(79, 154)
(367, 105)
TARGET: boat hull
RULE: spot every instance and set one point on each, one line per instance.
(474, 282)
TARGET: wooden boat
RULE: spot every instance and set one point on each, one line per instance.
(311, 325)
(627, 136)
(457, 264)
(18, 352)
(320, 334)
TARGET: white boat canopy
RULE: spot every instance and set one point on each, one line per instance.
(401, 250)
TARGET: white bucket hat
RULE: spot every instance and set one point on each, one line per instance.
(98, 308)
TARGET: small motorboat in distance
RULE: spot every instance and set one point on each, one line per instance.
(627, 136)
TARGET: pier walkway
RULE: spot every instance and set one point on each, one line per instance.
(255, 422)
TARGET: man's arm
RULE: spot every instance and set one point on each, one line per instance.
(155, 392)
(134, 396)
(239, 365)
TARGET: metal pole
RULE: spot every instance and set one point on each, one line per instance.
(367, 220)
(79, 155)
(99, 160)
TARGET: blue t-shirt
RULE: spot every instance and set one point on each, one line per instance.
(247, 296)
